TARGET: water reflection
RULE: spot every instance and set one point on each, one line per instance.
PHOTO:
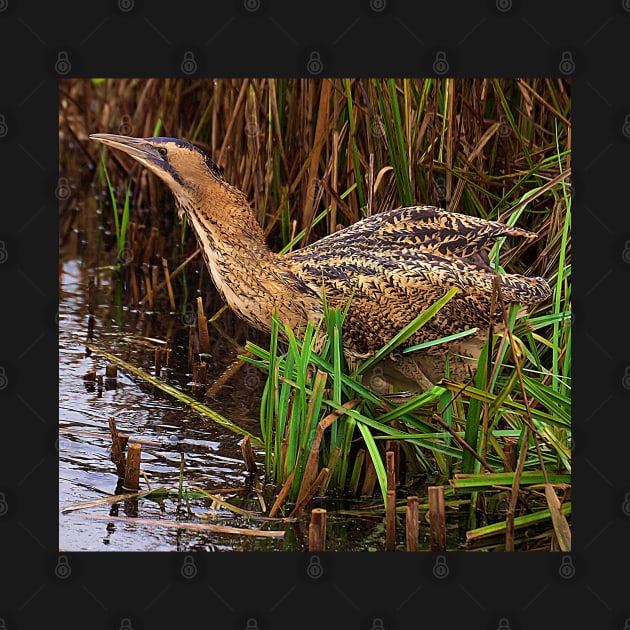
(85, 468)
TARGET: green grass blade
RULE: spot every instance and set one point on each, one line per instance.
(435, 342)
(377, 460)
(177, 394)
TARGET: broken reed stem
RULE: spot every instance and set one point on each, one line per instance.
(299, 506)
(132, 470)
(390, 521)
(147, 284)
(135, 291)
(317, 530)
(191, 346)
(391, 470)
(509, 454)
(200, 373)
(202, 326)
(437, 518)
(312, 463)
(394, 446)
(154, 275)
(111, 371)
(248, 455)
(118, 455)
(282, 495)
(148, 250)
(259, 494)
(169, 286)
(411, 524)
(369, 481)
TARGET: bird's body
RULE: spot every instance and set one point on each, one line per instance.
(392, 265)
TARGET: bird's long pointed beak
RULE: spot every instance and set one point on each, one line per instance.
(136, 147)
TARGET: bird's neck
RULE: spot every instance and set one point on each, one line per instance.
(252, 279)
(227, 230)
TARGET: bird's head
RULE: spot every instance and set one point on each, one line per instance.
(183, 167)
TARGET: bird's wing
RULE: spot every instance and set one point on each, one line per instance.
(417, 275)
(398, 263)
(415, 228)
(388, 292)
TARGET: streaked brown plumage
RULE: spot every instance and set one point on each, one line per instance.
(395, 264)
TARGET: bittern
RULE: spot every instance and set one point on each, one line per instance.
(391, 266)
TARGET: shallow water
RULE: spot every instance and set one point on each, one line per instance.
(212, 454)
(85, 468)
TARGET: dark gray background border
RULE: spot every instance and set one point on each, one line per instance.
(277, 38)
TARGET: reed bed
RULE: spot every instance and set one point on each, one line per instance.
(317, 155)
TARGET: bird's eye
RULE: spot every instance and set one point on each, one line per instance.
(162, 151)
